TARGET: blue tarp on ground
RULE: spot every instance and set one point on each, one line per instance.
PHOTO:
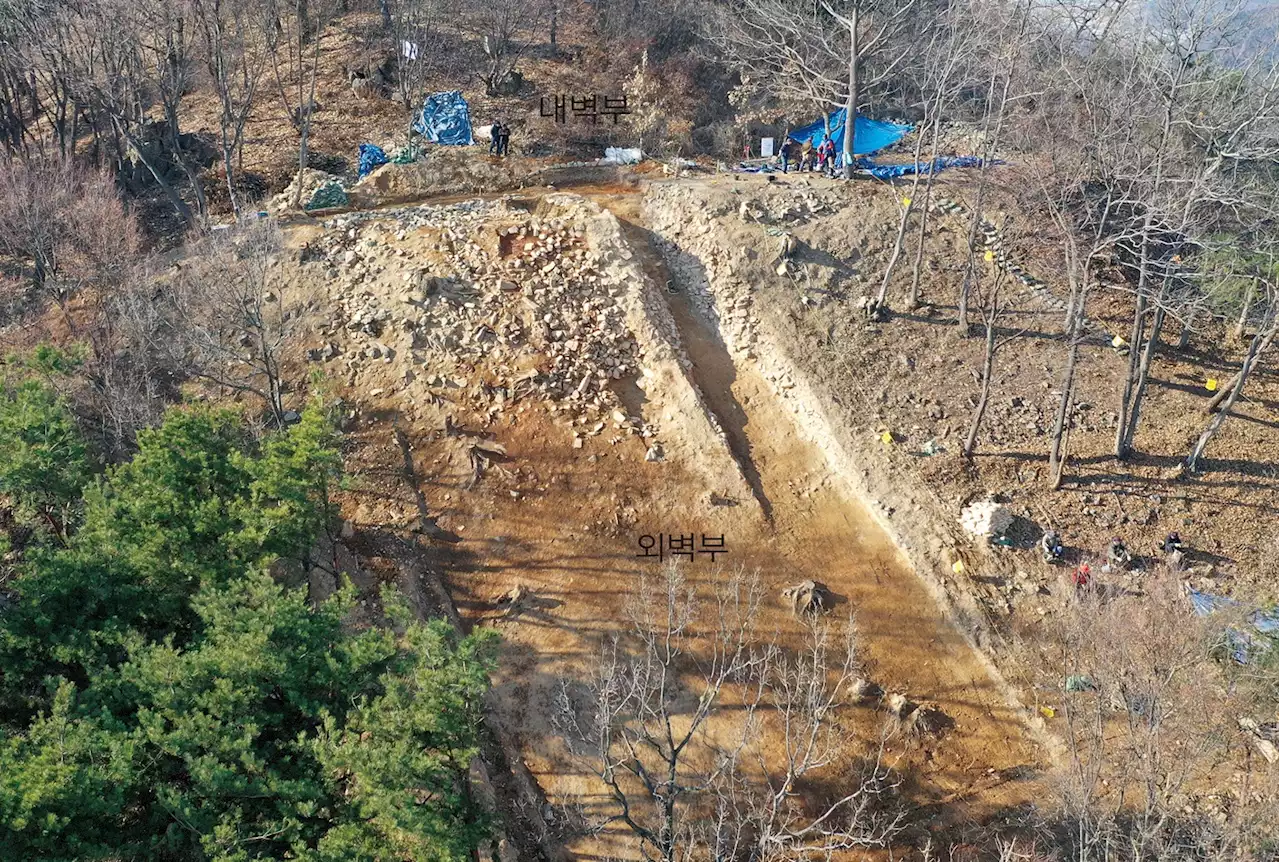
(886, 172)
(1265, 621)
(892, 172)
(370, 157)
(445, 119)
(868, 135)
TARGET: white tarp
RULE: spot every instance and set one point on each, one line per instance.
(623, 155)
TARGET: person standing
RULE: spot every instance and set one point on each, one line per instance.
(785, 153)
(494, 131)
(826, 151)
(504, 139)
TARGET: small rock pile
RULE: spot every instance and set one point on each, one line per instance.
(985, 519)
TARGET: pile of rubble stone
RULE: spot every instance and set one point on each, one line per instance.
(496, 284)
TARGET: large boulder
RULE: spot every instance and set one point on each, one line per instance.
(808, 597)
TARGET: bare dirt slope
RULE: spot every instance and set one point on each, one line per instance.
(915, 377)
(452, 324)
(567, 374)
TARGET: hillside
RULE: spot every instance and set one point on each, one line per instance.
(530, 506)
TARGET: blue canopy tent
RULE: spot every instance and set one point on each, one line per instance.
(869, 135)
(445, 119)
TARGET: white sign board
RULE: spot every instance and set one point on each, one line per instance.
(409, 49)
(766, 148)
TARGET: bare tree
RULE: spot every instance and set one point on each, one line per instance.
(415, 26)
(235, 35)
(1080, 135)
(1004, 53)
(1261, 341)
(505, 31)
(51, 45)
(294, 49)
(15, 89)
(165, 33)
(1133, 674)
(641, 744)
(1194, 120)
(68, 223)
(794, 735)
(644, 728)
(822, 56)
(217, 317)
(994, 308)
(938, 82)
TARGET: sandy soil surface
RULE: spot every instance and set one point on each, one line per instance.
(563, 520)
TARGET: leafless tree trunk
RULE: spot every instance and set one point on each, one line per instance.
(1262, 338)
(308, 111)
(1062, 419)
(991, 141)
(1244, 308)
(417, 22)
(993, 346)
(219, 318)
(1129, 420)
(306, 25)
(1136, 378)
(851, 98)
(906, 209)
(166, 59)
(642, 728)
(938, 89)
(235, 39)
(816, 56)
(924, 220)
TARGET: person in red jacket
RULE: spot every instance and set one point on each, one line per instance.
(826, 156)
(1081, 576)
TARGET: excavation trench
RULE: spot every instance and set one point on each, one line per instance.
(814, 527)
(712, 369)
(561, 520)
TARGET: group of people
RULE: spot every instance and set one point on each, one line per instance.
(808, 157)
(1119, 558)
(499, 139)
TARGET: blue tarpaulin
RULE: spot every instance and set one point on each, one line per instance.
(868, 135)
(370, 157)
(445, 119)
(1265, 621)
(892, 172)
(887, 172)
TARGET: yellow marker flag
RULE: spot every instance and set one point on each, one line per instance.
(1048, 711)
(886, 438)
(957, 566)
(1211, 384)
(989, 256)
(906, 202)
